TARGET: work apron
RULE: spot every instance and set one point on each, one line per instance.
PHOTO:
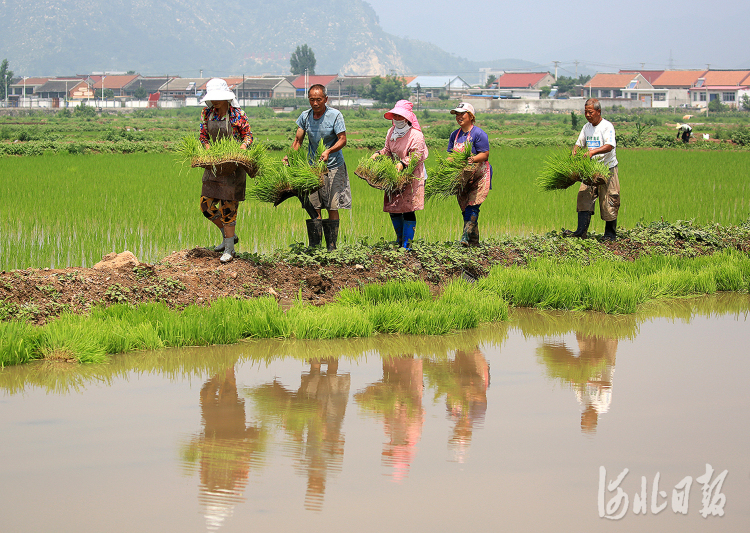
(227, 185)
(608, 193)
(475, 193)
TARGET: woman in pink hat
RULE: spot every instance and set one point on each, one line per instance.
(403, 142)
(472, 197)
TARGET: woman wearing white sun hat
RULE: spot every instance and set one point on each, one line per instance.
(221, 193)
(470, 199)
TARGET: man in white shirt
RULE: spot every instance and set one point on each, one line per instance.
(598, 137)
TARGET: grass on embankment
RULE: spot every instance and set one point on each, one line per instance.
(395, 307)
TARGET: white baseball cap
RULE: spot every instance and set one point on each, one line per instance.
(463, 107)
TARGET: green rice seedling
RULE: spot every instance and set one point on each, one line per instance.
(336, 321)
(293, 178)
(561, 170)
(381, 173)
(225, 151)
(375, 293)
(450, 176)
(19, 343)
(73, 338)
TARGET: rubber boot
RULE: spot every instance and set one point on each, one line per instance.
(410, 227)
(473, 231)
(220, 247)
(314, 232)
(465, 237)
(331, 233)
(398, 226)
(584, 220)
(610, 230)
(228, 254)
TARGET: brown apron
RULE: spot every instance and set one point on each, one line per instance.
(226, 185)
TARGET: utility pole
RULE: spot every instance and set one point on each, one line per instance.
(576, 62)
(556, 64)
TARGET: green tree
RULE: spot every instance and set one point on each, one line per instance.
(388, 90)
(745, 102)
(490, 80)
(715, 106)
(303, 58)
(108, 93)
(545, 91)
(566, 84)
(5, 77)
(140, 93)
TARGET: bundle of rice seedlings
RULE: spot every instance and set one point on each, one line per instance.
(562, 170)
(282, 181)
(381, 173)
(224, 155)
(451, 175)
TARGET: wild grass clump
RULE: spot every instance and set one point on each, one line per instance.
(561, 170)
(450, 176)
(381, 173)
(225, 151)
(297, 178)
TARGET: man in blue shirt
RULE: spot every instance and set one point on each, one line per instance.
(321, 122)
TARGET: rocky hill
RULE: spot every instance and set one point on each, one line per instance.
(222, 37)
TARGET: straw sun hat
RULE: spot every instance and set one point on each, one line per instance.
(216, 90)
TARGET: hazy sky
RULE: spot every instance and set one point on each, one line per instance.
(605, 38)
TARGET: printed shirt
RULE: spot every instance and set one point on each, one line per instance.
(597, 136)
(237, 118)
(327, 127)
(480, 142)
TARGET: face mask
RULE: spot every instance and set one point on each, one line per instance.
(400, 124)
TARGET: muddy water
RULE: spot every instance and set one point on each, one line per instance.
(505, 427)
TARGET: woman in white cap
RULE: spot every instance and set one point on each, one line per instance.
(403, 142)
(222, 192)
(475, 193)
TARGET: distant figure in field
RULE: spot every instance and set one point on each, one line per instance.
(404, 141)
(684, 131)
(598, 137)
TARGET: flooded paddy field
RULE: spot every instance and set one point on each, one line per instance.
(523, 426)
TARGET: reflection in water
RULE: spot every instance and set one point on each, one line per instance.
(225, 450)
(397, 400)
(312, 417)
(464, 381)
(589, 373)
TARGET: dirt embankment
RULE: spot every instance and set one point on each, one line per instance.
(197, 277)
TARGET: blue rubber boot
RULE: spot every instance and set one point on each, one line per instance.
(410, 227)
(398, 226)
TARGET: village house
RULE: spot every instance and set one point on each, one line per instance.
(437, 86)
(727, 86)
(150, 85)
(522, 84)
(610, 86)
(677, 84)
(261, 89)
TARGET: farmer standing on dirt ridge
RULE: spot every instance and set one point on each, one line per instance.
(322, 122)
(222, 192)
(404, 141)
(598, 137)
(470, 199)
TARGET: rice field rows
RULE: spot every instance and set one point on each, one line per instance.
(69, 210)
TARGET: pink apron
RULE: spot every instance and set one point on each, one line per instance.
(476, 193)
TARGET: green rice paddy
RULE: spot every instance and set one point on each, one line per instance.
(70, 210)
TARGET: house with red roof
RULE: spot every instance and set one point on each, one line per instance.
(116, 83)
(676, 83)
(633, 86)
(727, 86)
(302, 84)
(650, 75)
(523, 84)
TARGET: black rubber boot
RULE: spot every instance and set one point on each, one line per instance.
(465, 237)
(314, 232)
(331, 233)
(584, 220)
(473, 231)
(610, 230)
